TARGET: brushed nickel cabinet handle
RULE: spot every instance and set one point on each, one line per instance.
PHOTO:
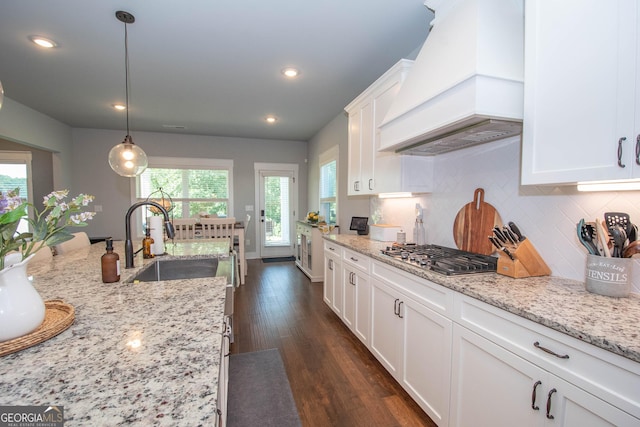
(546, 350)
(638, 149)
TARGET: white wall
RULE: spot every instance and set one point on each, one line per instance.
(24, 125)
(334, 133)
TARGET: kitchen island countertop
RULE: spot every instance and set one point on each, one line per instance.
(145, 353)
(560, 304)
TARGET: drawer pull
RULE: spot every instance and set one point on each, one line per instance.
(549, 416)
(354, 259)
(399, 308)
(533, 396)
(396, 311)
(546, 350)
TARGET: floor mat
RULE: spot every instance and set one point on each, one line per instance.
(279, 259)
(259, 391)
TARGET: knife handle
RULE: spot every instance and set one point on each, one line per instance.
(516, 231)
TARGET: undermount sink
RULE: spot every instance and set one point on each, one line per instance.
(176, 269)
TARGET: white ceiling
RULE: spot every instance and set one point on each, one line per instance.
(212, 66)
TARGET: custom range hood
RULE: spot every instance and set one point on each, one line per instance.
(466, 85)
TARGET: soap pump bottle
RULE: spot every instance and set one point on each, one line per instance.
(110, 264)
(146, 245)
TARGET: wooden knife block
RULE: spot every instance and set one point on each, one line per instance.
(527, 262)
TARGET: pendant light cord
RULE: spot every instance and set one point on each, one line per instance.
(126, 72)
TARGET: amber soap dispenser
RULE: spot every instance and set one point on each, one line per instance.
(110, 264)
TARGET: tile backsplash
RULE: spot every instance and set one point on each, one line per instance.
(547, 215)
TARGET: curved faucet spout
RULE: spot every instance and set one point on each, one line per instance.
(128, 244)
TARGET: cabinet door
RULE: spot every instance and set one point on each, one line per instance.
(571, 406)
(426, 372)
(491, 386)
(349, 280)
(353, 173)
(579, 97)
(363, 308)
(386, 326)
(367, 151)
(329, 279)
(337, 303)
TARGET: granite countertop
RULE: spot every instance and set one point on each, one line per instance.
(145, 353)
(560, 304)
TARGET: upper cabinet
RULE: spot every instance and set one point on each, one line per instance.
(582, 91)
(373, 172)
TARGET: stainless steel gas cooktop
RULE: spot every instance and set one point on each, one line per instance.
(441, 259)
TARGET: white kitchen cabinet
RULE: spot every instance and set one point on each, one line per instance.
(411, 340)
(357, 294)
(579, 385)
(492, 386)
(582, 91)
(223, 374)
(309, 257)
(372, 172)
(332, 290)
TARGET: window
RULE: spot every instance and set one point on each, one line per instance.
(16, 173)
(195, 186)
(328, 185)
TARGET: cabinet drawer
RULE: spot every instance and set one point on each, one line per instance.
(604, 374)
(436, 297)
(357, 260)
(333, 248)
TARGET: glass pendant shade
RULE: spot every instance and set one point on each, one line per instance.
(127, 159)
(1, 94)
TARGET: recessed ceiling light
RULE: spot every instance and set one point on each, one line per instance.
(119, 107)
(43, 41)
(290, 72)
(270, 119)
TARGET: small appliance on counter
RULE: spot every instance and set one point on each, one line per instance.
(384, 232)
(359, 224)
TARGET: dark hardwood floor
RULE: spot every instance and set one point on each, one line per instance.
(334, 379)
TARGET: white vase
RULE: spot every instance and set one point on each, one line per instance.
(21, 307)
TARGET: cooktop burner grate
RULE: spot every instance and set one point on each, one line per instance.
(441, 259)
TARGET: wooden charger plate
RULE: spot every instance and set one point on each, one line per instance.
(58, 316)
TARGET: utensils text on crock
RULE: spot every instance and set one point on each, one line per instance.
(586, 237)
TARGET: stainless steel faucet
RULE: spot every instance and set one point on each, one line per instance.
(128, 244)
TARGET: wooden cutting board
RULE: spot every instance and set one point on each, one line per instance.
(474, 223)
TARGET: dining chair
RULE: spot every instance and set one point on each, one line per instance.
(44, 254)
(79, 240)
(218, 228)
(185, 228)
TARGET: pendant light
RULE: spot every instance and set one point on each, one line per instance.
(126, 158)
(1, 94)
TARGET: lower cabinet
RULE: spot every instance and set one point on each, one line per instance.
(356, 294)
(493, 386)
(223, 375)
(332, 288)
(413, 342)
(468, 363)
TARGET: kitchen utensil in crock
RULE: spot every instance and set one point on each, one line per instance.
(619, 240)
(632, 249)
(473, 223)
(618, 218)
(603, 238)
(585, 237)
